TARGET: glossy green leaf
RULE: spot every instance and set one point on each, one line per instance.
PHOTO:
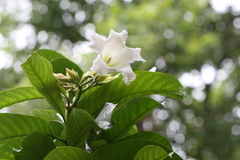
(153, 137)
(78, 126)
(15, 127)
(151, 152)
(35, 146)
(60, 65)
(50, 55)
(39, 72)
(70, 153)
(133, 130)
(16, 95)
(126, 149)
(127, 115)
(146, 83)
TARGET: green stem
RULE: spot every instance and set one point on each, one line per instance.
(70, 107)
(65, 142)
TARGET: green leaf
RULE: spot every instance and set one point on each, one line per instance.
(70, 153)
(50, 55)
(57, 127)
(61, 136)
(146, 83)
(45, 114)
(131, 131)
(39, 72)
(51, 116)
(126, 149)
(60, 65)
(127, 115)
(78, 126)
(35, 146)
(16, 95)
(151, 152)
(15, 127)
(153, 137)
(94, 145)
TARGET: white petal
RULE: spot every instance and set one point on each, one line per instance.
(114, 44)
(122, 35)
(116, 49)
(126, 56)
(97, 43)
(101, 67)
(128, 74)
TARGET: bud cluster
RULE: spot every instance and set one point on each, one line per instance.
(72, 82)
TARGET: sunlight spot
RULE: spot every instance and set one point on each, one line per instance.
(222, 6)
(6, 60)
(235, 130)
(208, 73)
(168, 33)
(188, 16)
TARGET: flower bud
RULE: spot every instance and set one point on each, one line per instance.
(73, 75)
(105, 78)
(61, 78)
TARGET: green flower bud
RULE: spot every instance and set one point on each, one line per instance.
(73, 75)
(105, 78)
(61, 78)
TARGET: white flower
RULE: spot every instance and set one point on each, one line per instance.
(114, 55)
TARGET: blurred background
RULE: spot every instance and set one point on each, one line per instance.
(196, 41)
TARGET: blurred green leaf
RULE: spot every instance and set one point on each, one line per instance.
(15, 127)
(151, 152)
(78, 126)
(128, 114)
(146, 83)
(35, 147)
(69, 153)
(16, 95)
(60, 65)
(39, 72)
(126, 149)
(50, 55)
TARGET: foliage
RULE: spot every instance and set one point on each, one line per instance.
(182, 38)
(71, 125)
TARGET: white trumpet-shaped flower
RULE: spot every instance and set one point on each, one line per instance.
(114, 55)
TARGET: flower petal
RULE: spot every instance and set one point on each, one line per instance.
(101, 67)
(97, 43)
(115, 35)
(126, 56)
(128, 74)
(114, 44)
